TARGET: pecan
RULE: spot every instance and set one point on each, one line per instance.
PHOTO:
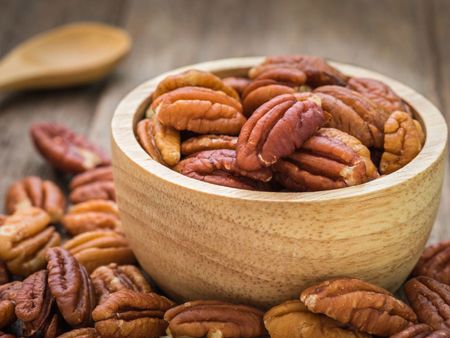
(220, 167)
(422, 331)
(330, 159)
(379, 93)
(201, 110)
(87, 332)
(32, 191)
(94, 184)
(4, 273)
(317, 69)
(2, 219)
(367, 124)
(132, 314)
(237, 83)
(66, 150)
(71, 287)
(366, 307)
(403, 140)
(435, 262)
(293, 320)
(213, 318)
(100, 247)
(8, 294)
(276, 129)
(430, 300)
(6, 335)
(113, 278)
(208, 142)
(92, 215)
(24, 238)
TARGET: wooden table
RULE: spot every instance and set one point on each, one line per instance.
(405, 39)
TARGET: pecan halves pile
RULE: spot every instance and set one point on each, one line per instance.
(112, 278)
(366, 307)
(208, 142)
(435, 262)
(24, 239)
(276, 129)
(422, 331)
(132, 314)
(32, 191)
(403, 140)
(87, 332)
(292, 319)
(92, 215)
(215, 319)
(430, 300)
(94, 184)
(66, 150)
(71, 287)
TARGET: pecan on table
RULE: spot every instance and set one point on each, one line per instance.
(403, 140)
(354, 113)
(94, 184)
(435, 262)
(71, 287)
(208, 142)
(112, 278)
(91, 215)
(100, 247)
(66, 150)
(328, 160)
(430, 300)
(8, 294)
(24, 239)
(276, 129)
(4, 273)
(292, 319)
(380, 93)
(87, 332)
(237, 83)
(422, 331)
(220, 167)
(32, 191)
(127, 313)
(214, 318)
(366, 307)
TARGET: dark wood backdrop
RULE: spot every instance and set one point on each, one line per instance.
(405, 39)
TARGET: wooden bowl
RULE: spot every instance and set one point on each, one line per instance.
(203, 241)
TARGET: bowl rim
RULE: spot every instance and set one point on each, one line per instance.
(132, 105)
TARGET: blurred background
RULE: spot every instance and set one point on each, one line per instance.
(405, 39)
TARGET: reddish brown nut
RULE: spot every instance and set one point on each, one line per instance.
(87, 332)
(6, 335)
(435, 262)
(132, 314)
(330, 159)
(66, 150)
(317, 69)
(276, 129)
(354, 113)
(366, 307)
(100, 247)
(32, 191)
(71, 287)
(380, 93)
(4, 273)
(293, 320)
(92, 215)
(403, 140)
(215, 319)
(237, 83)
(208, 142)
(94, 184)
(422, 331)
(8, 294)
(220, 167)
(430, 300)
(113, 278)
(24, 238)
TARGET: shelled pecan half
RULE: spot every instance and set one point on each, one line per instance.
(366, 307)
(435, 262)
(208, 142)
(422, 331)
(94, 184)
(4, 273)
(8, 294)
(237, 83)
(87, 332)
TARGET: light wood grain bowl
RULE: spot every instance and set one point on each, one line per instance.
(203, 241)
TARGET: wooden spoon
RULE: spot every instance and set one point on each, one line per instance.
(65, 56)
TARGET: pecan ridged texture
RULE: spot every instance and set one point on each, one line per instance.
(93, 184)
(112, 278)
(220, 167)
(292, 319)
(66, 150)
(215, 319)
(24, 239)
(91, 215)
(237, 83)
(330, 159)
(32, 191)
(365, 306)
(70, 285)
(422, 331)
(87, 332)
(430, 300)
(276, 129)
(127, 313)
(208, 142)
(435, 262)
(8, 294)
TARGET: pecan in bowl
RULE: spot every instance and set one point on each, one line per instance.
(435, 262)
(87, 332)
(93, 184)
(208, 142)
(237, 83)
(422, 331)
